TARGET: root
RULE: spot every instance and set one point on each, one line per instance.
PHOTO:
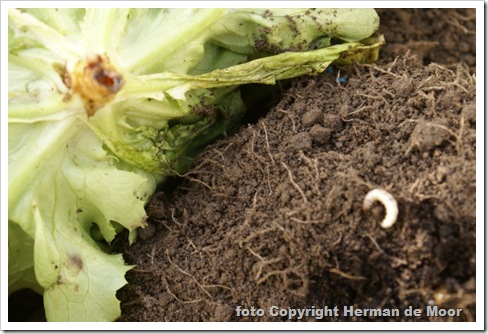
(261, 264)
(257, 234)
(346, 275)
(144, 271)
(287, 113)
(188, 177)
(376, 68)
(359, 110)
(192, 245)
(265, 171)
(189, 275)
(458, 25)
(269, 274)
(162, 222)
(267, 143)
(252, 152)
(294, 184)
(283, 273)
(173, 217)
(215, 191)
(379, 97)
(163, 278)
(151, 256)
(430, 101)
(253, 208)
(398, 261)
(313, 163)
(205, 161)
(307, 221)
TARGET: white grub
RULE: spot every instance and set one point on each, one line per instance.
(388, 202)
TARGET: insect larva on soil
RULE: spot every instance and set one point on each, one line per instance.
(388, 202)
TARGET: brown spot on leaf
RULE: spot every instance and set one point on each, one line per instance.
(76, 261)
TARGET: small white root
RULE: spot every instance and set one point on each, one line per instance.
(388, 202)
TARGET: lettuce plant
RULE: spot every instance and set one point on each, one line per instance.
(104, 104)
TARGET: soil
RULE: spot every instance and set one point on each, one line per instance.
(273, 215)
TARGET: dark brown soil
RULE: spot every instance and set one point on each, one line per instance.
(443, 36)
(273, 215)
